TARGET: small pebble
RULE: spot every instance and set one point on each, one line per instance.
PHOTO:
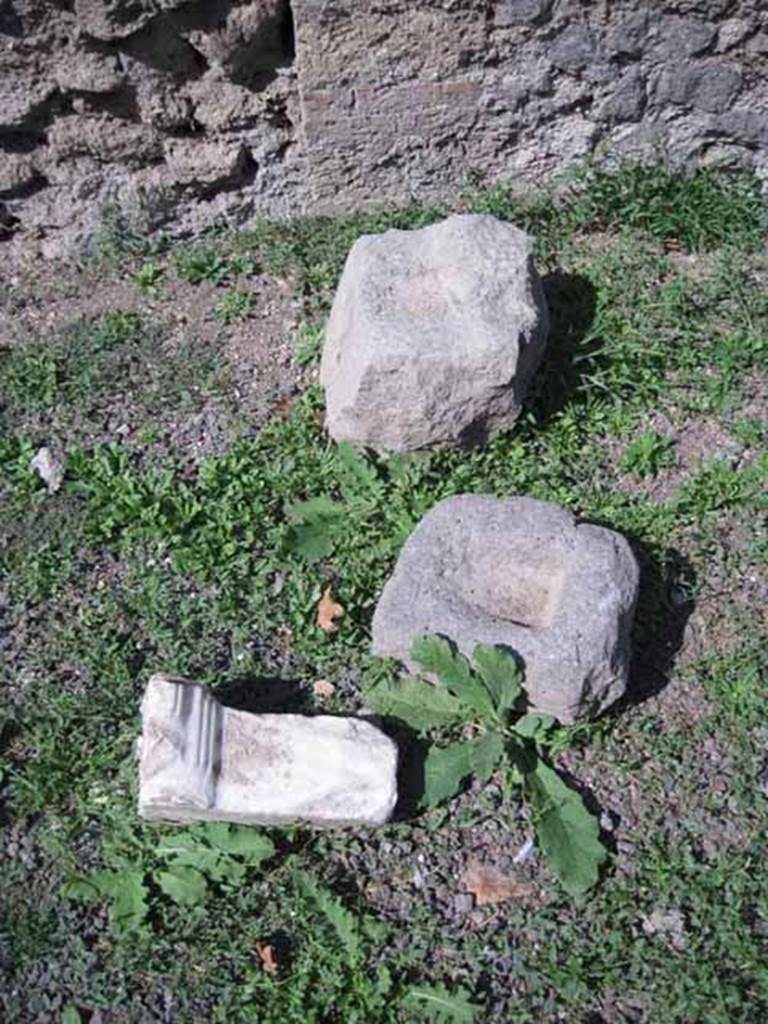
(49, 467)
(463, 903)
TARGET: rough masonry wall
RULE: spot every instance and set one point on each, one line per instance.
(193, 112)
(163, 111)
(401, 99)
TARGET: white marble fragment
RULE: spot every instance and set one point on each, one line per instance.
(200, 761)
(49, 467)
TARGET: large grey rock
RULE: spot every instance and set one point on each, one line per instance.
(200, 761)
(434, 334)
(526, 575)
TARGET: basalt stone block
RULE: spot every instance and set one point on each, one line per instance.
(201, 761)
(526, 575)
(434, 335)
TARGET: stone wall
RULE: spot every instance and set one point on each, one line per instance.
(190, 113)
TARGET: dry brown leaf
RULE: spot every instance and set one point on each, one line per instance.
(327, 611)
(323, 688)
(285, 406)
(489, 885)
(267, 957)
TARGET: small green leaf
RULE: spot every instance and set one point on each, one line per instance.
(569, 835)
(245, 842)
(129, 900)
(227, 870)
(180, 841)
(343, 922)
(316, 510)
(71, 1015)
(441, 1005)
(439, 657)
(202, 859)
(485, 753)
(107, 882)
(534, 726)
(312, 542)
(501, 675)
(82, 889)
(445, 768)
(358, 477)
(316, 525)
(384, 981)
(185, 885)
(417, 703)
(373, 929)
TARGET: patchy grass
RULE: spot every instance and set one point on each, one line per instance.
(154, 557)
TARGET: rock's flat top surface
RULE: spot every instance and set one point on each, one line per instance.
(199, 761)
(434, 334)
(527, 575)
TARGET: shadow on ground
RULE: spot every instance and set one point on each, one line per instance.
(573, 352)
(663, 610)
(261, 696)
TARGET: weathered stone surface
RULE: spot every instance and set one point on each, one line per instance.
(758, 44)
(17, 173)
(629, 35)
(526, 575)
(434, 335)
(732, 32)
(200, 761)
(517, 12)
(219, 104)
(575, 48)
(752, 123)
(627, 102)
(26, 87)
(250, 38)
(684, 37)
(101, 138)
(214, 164)
(116, 19)
(160, 48)
(712, 89)
(86, 71)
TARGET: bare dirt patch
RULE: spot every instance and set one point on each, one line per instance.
(698, 439)
(222, 376)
